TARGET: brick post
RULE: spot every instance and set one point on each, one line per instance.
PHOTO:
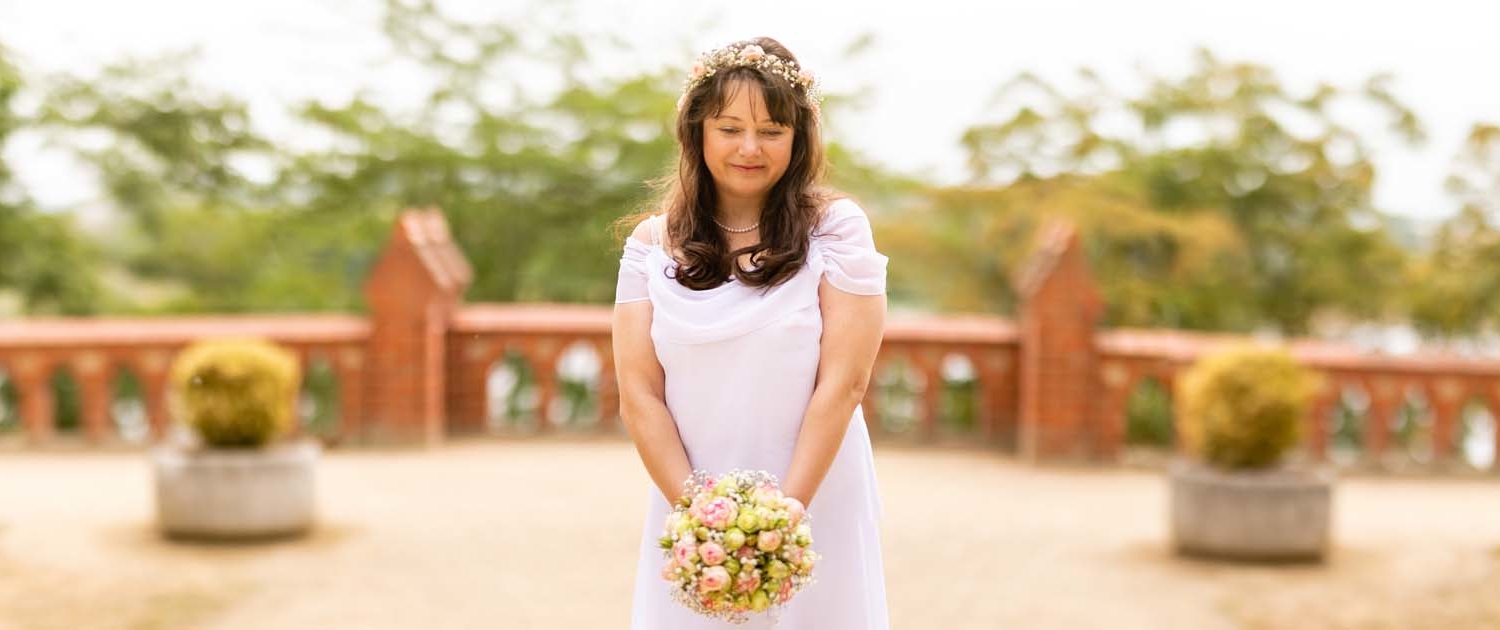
(37, 404)
(1059, 368)
(413, 290)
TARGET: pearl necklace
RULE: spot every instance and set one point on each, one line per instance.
(737, 230)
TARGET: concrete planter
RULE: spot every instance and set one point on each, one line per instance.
(1276, 514)
(235, 493)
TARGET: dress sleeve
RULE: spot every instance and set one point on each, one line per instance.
(847, 247)
(631, 285)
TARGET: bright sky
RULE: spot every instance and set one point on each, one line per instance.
(933, 67)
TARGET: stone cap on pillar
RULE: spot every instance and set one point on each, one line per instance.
(1058, 259)
(420, 259)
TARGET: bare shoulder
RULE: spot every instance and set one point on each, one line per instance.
(645, 231)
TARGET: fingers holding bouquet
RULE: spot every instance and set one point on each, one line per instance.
(734, 544)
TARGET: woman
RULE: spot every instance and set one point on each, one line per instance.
(720, 347)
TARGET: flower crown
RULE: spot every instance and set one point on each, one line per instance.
(752, 56)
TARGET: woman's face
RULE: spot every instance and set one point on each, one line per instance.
(745, 152)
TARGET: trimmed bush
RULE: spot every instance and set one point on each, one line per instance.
(236, 393)
(1243, 408)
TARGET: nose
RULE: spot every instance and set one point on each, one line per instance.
(749, 146)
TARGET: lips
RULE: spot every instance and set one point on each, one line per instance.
(747, 169)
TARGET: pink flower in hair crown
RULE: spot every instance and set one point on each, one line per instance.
(751, 56)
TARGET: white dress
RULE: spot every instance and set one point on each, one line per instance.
(739, 371)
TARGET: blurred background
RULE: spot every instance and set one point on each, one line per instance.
(1316, 173)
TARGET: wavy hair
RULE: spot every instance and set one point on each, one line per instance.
(688, 196)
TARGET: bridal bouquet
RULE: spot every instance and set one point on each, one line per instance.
(734, 544)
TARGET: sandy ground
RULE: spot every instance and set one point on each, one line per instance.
(542, 534)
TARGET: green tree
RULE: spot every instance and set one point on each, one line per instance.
(1455, 284)
(43, 259)
(1281, 187)
(530, 179)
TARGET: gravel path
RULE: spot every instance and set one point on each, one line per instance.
(542, 534)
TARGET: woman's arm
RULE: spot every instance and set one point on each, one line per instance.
(852, 329)
(643, 407)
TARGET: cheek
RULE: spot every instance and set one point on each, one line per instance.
(784, 155)
(710, 148)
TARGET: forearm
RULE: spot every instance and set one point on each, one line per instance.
(823, 428)
(659, 445)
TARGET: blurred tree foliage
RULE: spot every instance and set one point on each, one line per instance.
(1217, 200)
(528, 179)
(1214, 200)
(43, 259)
(1454, 285)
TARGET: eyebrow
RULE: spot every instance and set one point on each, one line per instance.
(737, 119)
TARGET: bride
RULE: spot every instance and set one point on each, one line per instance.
(749, 308)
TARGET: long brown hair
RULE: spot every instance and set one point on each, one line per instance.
(688, 196)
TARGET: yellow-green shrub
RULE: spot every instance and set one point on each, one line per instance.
(1243, 407)
(236, 392)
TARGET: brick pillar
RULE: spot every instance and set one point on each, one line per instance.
(1447, 400)
(350, 369)
(468, 370)
(609, 388)
(543, 354)
(1319, 412)
(928, 363)
(413, 290)
(1385, 402)
(151, 370)
(96, 393)
(1492, 400)
(1002, 398)
(1116, 384)
(36, 401)
(991, 370)
(1059, 369)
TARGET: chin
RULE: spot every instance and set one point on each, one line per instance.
(742, 191)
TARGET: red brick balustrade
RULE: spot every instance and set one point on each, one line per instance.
(95, 351)
(1051, 385)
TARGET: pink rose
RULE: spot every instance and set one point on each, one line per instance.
(786, 591)
(752, 53)
(669, 571)
(793, 554)
(719, 513)
(794, 510)
(769, 540)
(745, 553)
(747, 582)
(696, 73)
(766, 495)
(685, 552)
(712, 553)
(713, 579)
(696, 509)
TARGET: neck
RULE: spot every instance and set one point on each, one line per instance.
(738, 212)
